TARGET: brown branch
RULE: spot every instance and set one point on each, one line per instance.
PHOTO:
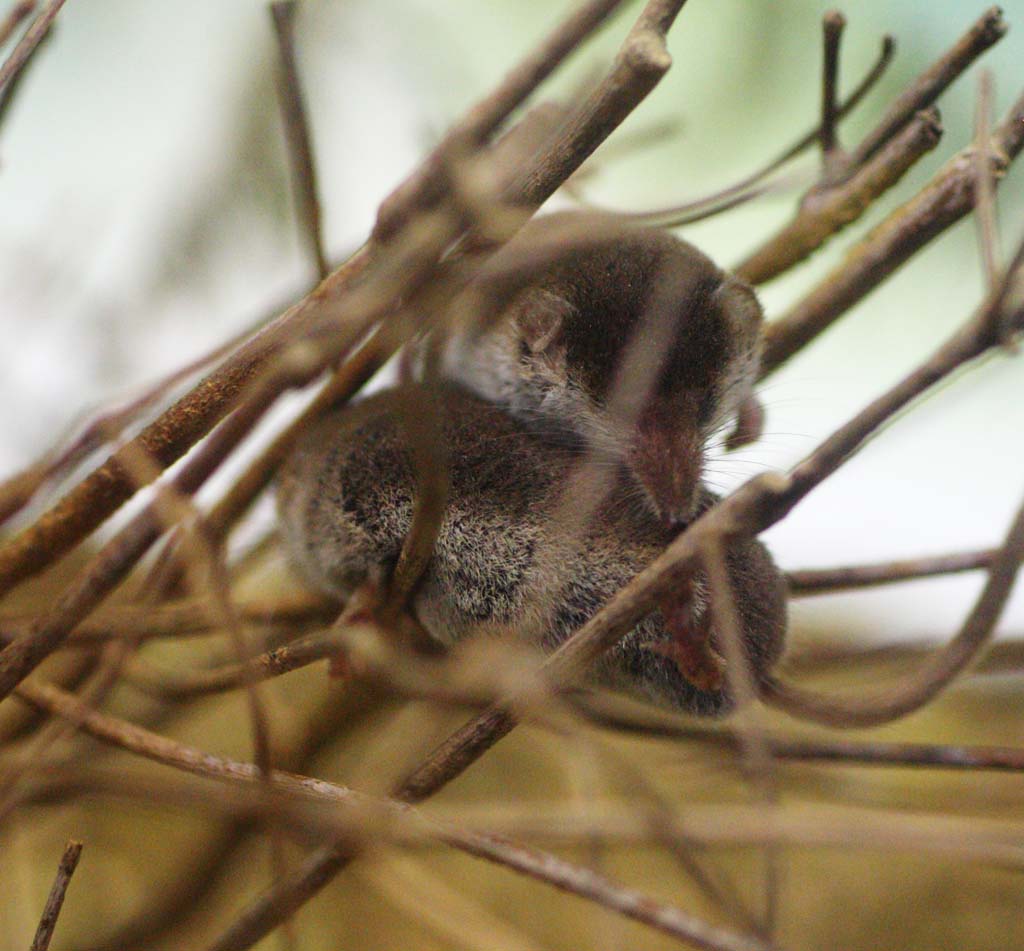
(829, 208)
(169, 437)
(426, 185)
(757, 754)
(93, 693)
(748, 187)
(423, 430)
(811, 750)
(637, 69)
(300, 148)
(178, 685)
(986, 31)
(914, 691)
(941, 203)
(14, 18)
(812, 581)
(112, 564)
(55, 901)
(29, 42)
(301, 738)
(542, 866)
(99, 428)
(832, 32)
(799, 239)
(188, 617)
(984, 186)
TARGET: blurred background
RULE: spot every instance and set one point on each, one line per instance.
(146, 216)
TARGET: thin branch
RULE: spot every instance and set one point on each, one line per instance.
(809, 749)
(423, 430)
(757, 754)
(179, 685)
(986, 31)
(188, 617)
(55, 901)
(914, 691)
(33, 36)
(637, 69)
(941, 203)
(985, 190)
(425, 186)
(300, 148)
(100, 427)
(748, 187)
(14, 18)
(101, 493)
(832, 32)
(829, 208)
(812, 581)
(542, 866)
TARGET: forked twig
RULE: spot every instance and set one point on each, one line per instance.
(941, 203)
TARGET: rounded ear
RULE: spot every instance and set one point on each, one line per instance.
(540, 316)
(739, 303)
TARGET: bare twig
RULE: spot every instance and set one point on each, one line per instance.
(832, 32)
(539, 865)
(179, 685)
(757, 754)
(810, 749)
(33, 36)
(192, 417)
(985, 32)
(55, 901)
(423, 430)
(640, 64)
(812, 581)
(984, 187)
(14, 18)
(941, 203)
(748, 187)
(829, 208)
(300, 148)
(425, 186)
(914, 691)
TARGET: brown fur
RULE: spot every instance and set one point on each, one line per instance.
(345, 503)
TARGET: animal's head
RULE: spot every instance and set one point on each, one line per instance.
(639, 344)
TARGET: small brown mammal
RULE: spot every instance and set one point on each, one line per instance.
(346, 499)
(642, 296)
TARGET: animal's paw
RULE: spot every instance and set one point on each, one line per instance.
(689, 645)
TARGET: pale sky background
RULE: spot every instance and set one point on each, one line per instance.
(145, 217)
